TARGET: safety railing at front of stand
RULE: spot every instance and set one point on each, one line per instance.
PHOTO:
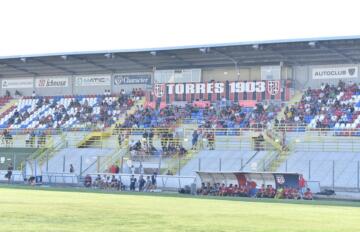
(164, 182)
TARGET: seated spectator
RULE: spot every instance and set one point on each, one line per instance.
(87, 181)
(308, 194)
(262, 192)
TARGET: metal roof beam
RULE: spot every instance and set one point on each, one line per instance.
(175, 56)
(337, 52)
(122, 56)
(19, 69)
(283, 56)
(225, 55)
(55, 66)
(93, 63)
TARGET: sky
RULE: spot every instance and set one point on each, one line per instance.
(35, 27)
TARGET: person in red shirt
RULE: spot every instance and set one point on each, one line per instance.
(301, 184)
(287, 193)
(222, 190)
(270, 192)
(236, 190)
(262, 191)
(230, 190)
(308, 195)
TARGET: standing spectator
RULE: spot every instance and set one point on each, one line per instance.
(195, 137)
(153, 180)
(301, 185)
(72, 170)
(147, 186)
(211, 140)
(9, 172)
(141, 183)
(33, 94)
(132, 183)
(120, 139)
(132, 169)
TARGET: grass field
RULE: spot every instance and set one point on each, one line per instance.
(37, 210)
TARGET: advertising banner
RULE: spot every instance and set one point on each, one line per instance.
(92, 80)
(335, 73)
(17, 83)
(52, 82)
(277, 180)
(132, 79)
(215, 91)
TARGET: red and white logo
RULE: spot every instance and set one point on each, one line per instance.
(159, 90)
(273, 87)
(280, 179)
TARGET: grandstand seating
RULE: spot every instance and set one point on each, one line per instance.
(218, 115)
(332, 106)
(4, 100)
(65, 112)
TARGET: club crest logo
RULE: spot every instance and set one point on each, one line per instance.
(273, 87)
(351, 71)
(159, 90)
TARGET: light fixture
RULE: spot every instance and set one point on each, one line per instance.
(204, 50)
(109, 55)
(255, 46)
(312, 44)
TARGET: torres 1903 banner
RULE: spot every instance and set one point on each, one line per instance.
(212, 91)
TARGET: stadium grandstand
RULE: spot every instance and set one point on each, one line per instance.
(264, 119)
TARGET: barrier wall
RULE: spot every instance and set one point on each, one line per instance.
(241, 178)
(79, 84)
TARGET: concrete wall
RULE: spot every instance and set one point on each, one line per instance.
(303, 76)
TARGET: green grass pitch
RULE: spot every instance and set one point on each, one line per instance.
(60, 210)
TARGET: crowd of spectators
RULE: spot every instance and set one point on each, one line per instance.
(249, 190)
(84, 111)
(111, 182)
(214, 116)
(324, 107)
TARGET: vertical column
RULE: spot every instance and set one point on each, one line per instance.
(333, 175)
(64, 164)
(81, 164)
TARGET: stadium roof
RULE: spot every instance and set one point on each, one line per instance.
(315, 51)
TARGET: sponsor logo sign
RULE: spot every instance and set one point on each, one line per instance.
(335, 73)
(55, 82)
(132, 79)
(92, 80)
(17, 83)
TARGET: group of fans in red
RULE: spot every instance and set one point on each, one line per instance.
(250, 190)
